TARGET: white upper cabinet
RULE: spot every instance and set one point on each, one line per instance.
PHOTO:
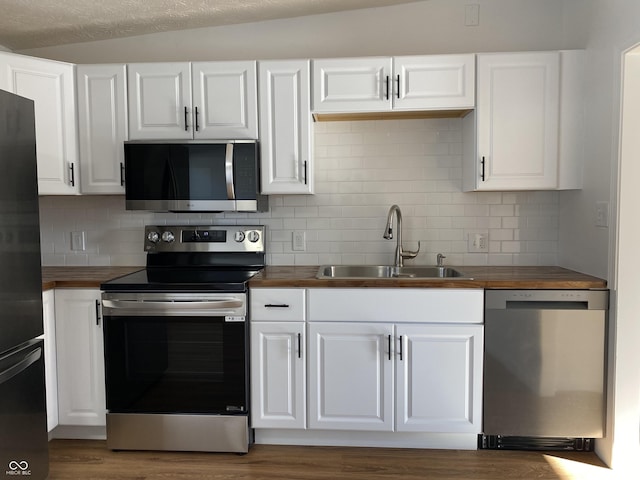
(202, 100)
(51, 85)
(378, 84)
(225, 100)
(285, 127)
(511, 141)
(102, 127)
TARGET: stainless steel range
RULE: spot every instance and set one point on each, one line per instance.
(176, 341)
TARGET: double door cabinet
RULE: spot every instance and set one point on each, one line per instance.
(396, 360)
(199, 100)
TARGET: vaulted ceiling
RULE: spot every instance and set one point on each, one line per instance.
(38, 23)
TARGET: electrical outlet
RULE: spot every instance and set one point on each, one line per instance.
(478, 242)
(472, 15)
(299, 241)
(602, 214)
(78, 241)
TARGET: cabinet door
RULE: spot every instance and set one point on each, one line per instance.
(225, 100)
(159, 101)
(434, 82)
(439, 378)
(102, 125)
(285, 127)
(50, 364)
(350, 376)
(517, 121)
(352, 84)
(51, 86)
(79, 342)
(278, 375)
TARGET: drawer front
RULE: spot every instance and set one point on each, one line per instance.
(277, 304)
(421, 305)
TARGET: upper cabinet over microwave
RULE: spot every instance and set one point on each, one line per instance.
(378, 84)
(198, 100)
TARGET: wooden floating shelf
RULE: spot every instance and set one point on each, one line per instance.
(394, 115)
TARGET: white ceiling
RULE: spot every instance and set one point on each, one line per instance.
(38, 23)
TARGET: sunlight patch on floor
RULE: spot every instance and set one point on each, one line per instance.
(573, 470)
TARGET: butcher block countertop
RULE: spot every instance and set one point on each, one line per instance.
(81, 277)
(483, 277)
(305, 277)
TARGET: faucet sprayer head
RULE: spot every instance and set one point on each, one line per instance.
(388, 233)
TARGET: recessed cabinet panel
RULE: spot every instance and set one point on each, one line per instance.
(351, 84)
(159, 93)
(225, 96)
(434, 81)
(285, 127)
(51, 86)
(102, 127)
(438, 368)
(350, 376)
(278, 364)
(517, 119)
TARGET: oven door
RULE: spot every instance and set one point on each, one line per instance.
(175, 353)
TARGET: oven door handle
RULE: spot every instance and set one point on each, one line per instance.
(172, 304)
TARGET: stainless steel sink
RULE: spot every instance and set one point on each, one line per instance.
(387, 271)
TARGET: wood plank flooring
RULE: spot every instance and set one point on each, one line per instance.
(91, 460)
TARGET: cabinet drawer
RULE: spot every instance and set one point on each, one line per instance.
(277, 304)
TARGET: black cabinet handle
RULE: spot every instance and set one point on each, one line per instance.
(387, 93)
(299, 345)
(389, 347)
(121, 174)
(305, 172)
(398, 91)
(276, 305)
(197, 124)
(72, 175)
(186, 115)
(482, 162)
(98, 313)
(400, 347)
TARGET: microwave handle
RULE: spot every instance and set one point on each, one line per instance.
(228, 164)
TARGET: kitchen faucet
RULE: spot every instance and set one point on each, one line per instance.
(401, 254)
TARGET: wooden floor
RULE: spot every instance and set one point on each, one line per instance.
(91, 460)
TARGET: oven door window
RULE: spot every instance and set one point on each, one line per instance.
(175, 365)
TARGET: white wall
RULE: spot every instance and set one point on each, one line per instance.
(434, 26)
(362, 168)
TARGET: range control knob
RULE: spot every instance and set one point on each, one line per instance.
(167, 237)
(153, 237)
(239, 236)
(253, 236)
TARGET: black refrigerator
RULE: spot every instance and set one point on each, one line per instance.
(23, 417)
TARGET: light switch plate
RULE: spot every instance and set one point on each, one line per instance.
(78, 241)
(478, 241)
(299, 241)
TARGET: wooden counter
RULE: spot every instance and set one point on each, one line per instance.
(81, 277)
(305, 277)
(482, 277)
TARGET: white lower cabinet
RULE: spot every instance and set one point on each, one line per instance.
(278, 358)
(379, 362)
(80, 357)
(278, 365)
(350, 376)
(438, 372)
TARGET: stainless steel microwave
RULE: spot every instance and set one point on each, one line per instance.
(193, 176)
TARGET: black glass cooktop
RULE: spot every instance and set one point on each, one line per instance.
(169, 279)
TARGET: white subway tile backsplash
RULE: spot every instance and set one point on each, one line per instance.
(361, 169)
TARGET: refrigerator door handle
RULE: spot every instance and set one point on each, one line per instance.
(21, 366)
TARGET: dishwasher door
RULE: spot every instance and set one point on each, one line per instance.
(544, 363)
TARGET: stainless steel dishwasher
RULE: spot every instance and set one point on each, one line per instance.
(544, 368)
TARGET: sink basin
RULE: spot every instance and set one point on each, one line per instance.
(387, 271)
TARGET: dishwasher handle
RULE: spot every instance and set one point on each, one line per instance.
(547, 299)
